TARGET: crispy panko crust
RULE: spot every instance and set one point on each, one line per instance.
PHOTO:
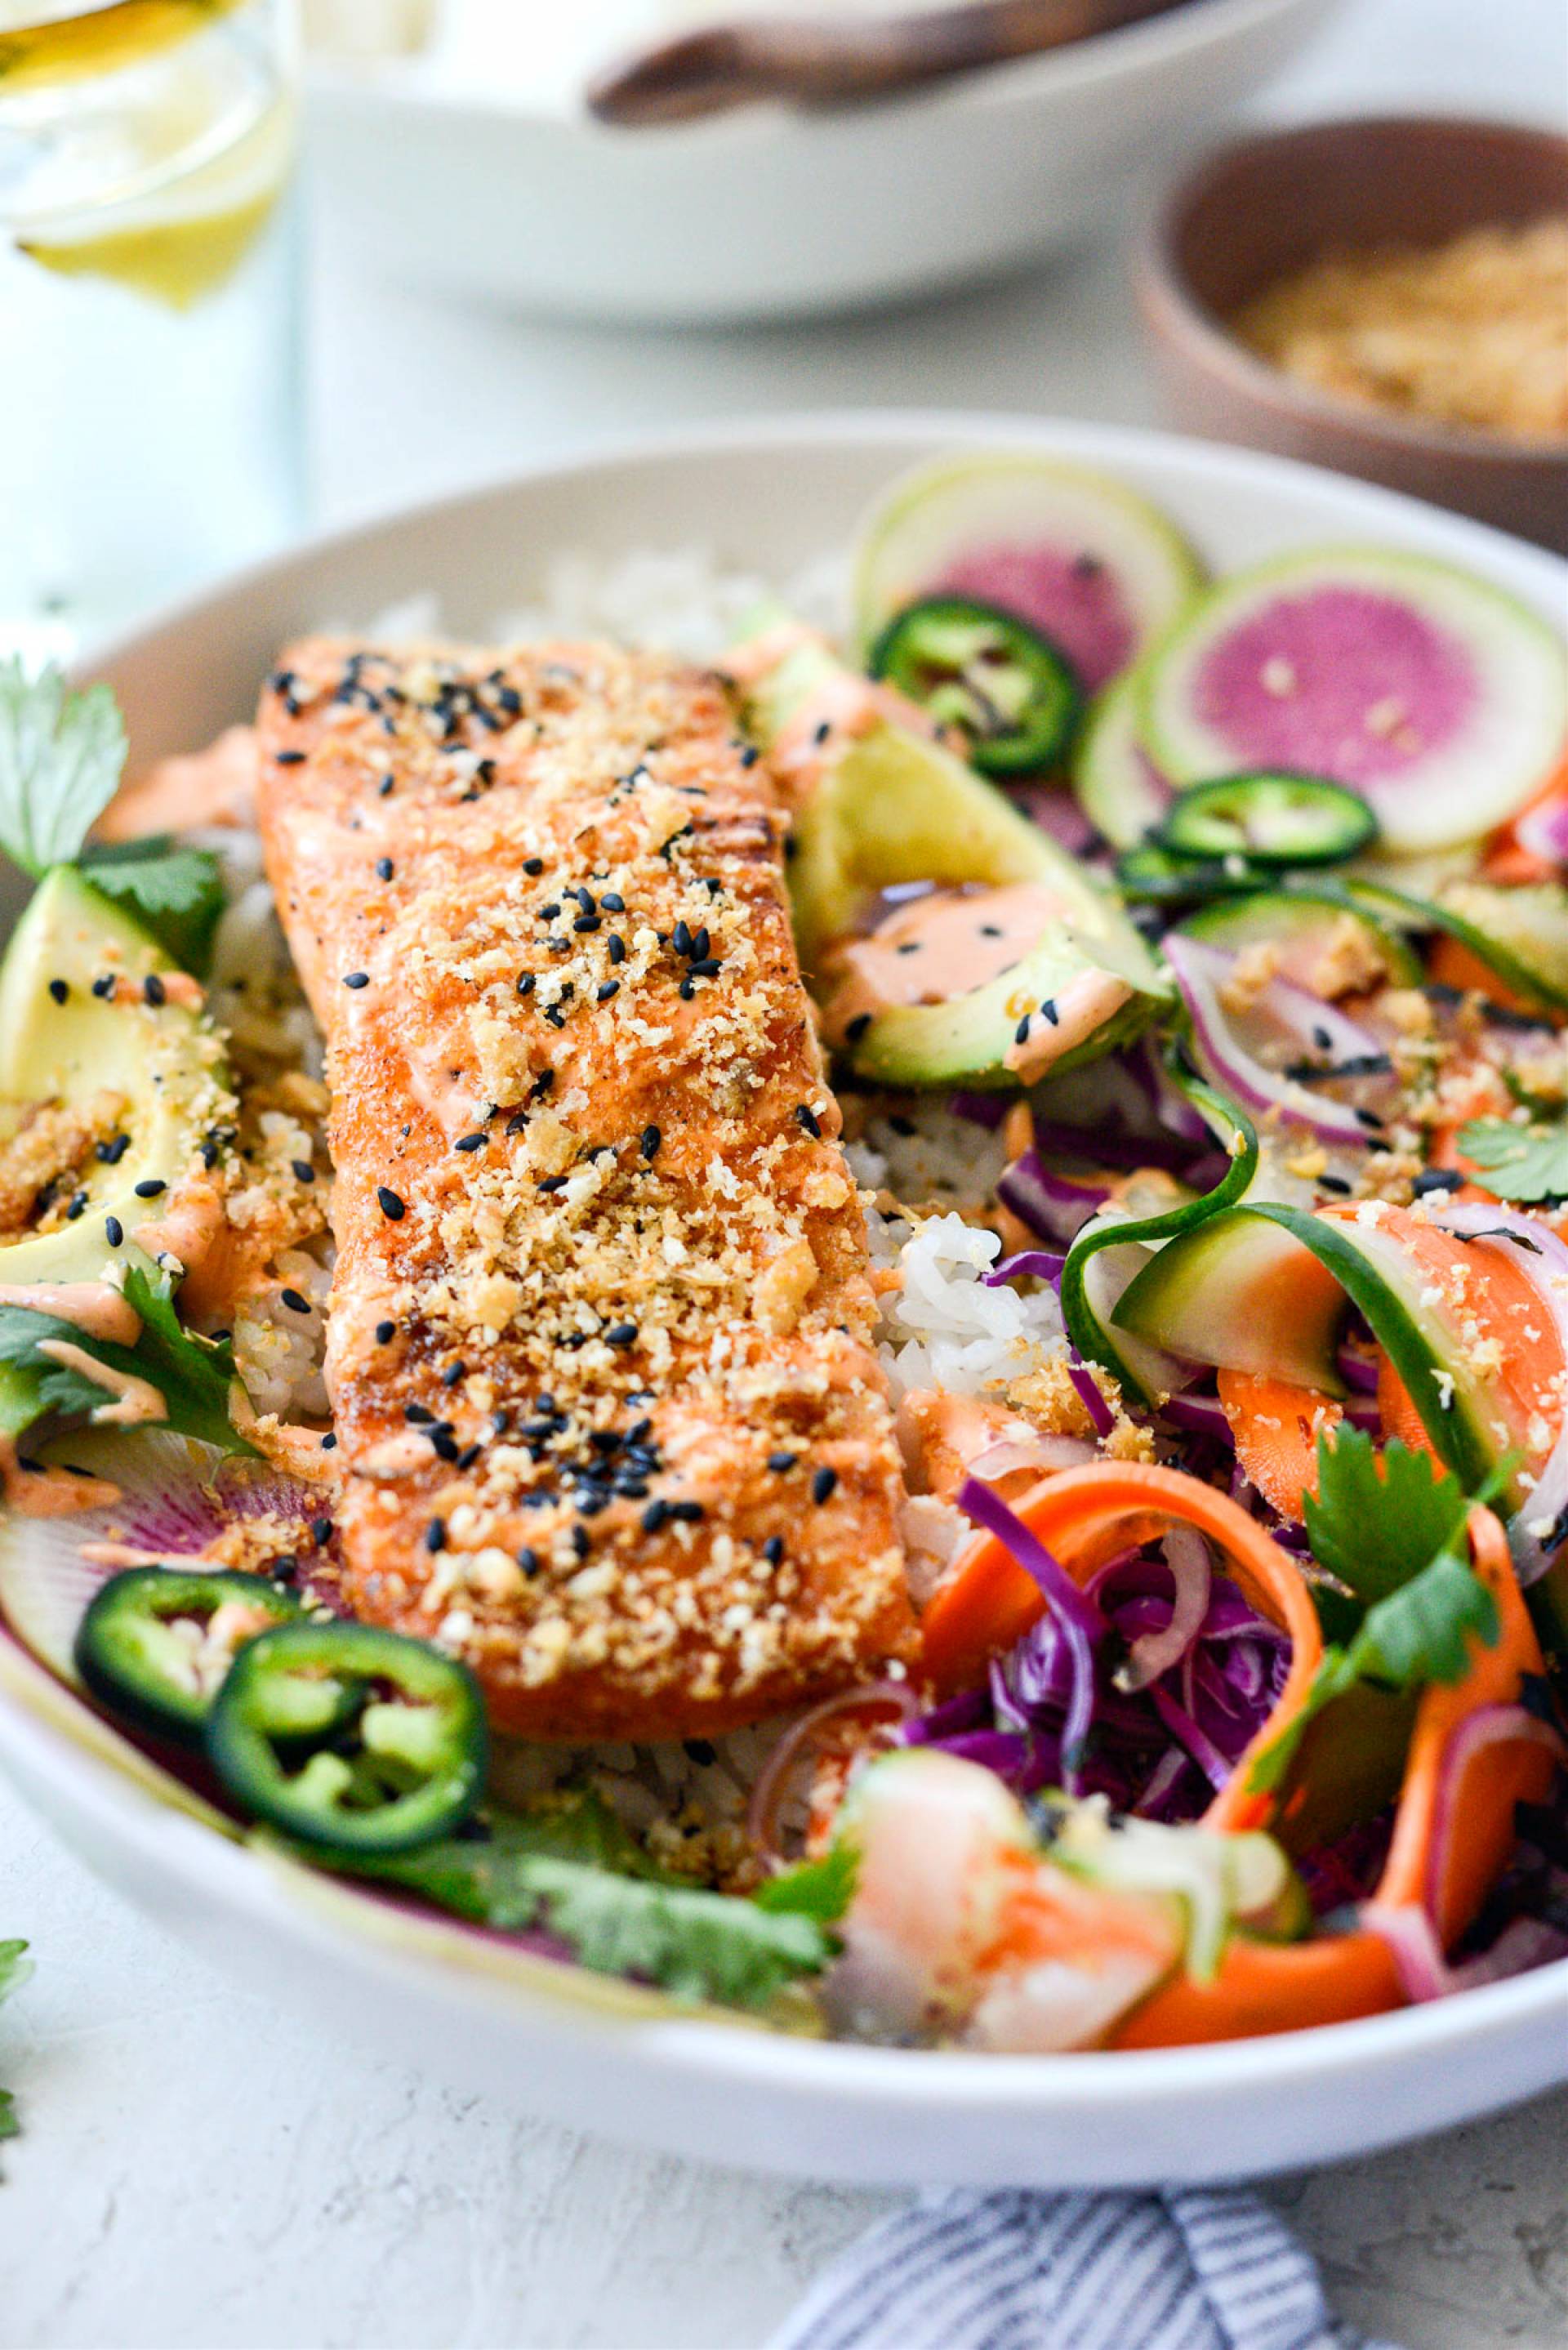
(607, 1409)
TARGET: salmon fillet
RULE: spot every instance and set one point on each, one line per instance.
(609, 1418)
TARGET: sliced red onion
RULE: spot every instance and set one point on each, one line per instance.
(1543, 830)
(1412, 1942)
(1038, 1264)
(1525, 1943)
(1200, 1416)
(1356, 1372)
(1489, 1725)
(1201, 973)
(1088, 1392)
(1539, 1528)
(1056, 1207)
(761, 1817)
(1154, 1653)
(1046, 1453)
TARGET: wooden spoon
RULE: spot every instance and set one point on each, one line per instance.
(818, 61)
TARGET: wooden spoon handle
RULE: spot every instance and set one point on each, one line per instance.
(812, 61)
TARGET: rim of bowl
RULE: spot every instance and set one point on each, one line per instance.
(1171, 304)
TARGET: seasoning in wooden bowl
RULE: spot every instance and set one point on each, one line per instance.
(1473, 331)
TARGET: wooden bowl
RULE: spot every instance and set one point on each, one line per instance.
(1258, 211)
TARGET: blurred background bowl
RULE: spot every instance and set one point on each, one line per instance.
(1257, 211)
(471, 178)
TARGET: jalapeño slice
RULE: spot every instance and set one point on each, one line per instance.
(1012, 694)
(1274, 819)
(157, 1641)
(349, 1738)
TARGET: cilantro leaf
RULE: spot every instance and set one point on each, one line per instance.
(61, 755)
(545, 1868)
(15, 1968)
(194, 1375)
(1408, 1615)
(177, 893)
(1528, 1163)
(1377, 1520)
(822, 1889)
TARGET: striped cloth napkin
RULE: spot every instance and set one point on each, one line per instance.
(1199, 2268)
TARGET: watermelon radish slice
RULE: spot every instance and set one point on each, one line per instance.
(1439, 699)
(1119, 788)
(1087, 562)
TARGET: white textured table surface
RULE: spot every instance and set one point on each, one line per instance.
(202, 2170)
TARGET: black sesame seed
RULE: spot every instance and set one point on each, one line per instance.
(443, 1442)
(585, 923)
(391, 1207)
(419, 1415)
(1435, 1178)
(104, 986)
(612, 902)
(151, 1186)
(533, 865)
(639, 1432)
(580, 1541)
(585, 898)
(453, 1373)
(77, 1207)
(1021, 1034)
(320, 1531)
(701, 1751)
(304, 1172)
(706, 967)
(552, 1183)
(384, 869)
(385, 1333)
(357, 979)
(528, 1560)
(290, 758)
(1335, 1183)
(525, 982)
(823, 1484)
(1051, 1012)
(1369, 1120)
(435, 1535)
(469, 1455)
(806, 1116)
(517, 1121)
(59, 990)
(857, 1027)
(294, 1300)
(112, 1151)
(330, 1444)
(471, 1142)
(384, 788)
(113, 1230)
(680, 939)
(685, 1513)
(653, 1517)
(773, 1549)
(1322, 1040)
(823, 730)
(554, 1015)
(153, 990)
(651, 1138)
(686, 991)
(611, 987)
(548, 913)
(621, 1334)
(750, 755)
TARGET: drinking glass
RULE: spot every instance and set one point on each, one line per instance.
(149, 394)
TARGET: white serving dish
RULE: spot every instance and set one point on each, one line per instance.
(559, 2041)
(454, 170)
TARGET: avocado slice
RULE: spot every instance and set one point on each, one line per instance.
(890, 807)
(60, 1042)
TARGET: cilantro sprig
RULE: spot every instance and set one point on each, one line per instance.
(1527, 1163)
(15, 1968)
(570, 1870)
(62, 755)
(1405, 1609)
(193, 1374)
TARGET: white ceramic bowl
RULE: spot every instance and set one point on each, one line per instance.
(555, 2040)
(474, 183)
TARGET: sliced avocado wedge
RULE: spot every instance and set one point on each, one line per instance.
(883, 807)
(61, 1043)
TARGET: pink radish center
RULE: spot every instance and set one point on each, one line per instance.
(1074, 600)
(1338, 682)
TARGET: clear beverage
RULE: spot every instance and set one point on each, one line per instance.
(150, 393)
